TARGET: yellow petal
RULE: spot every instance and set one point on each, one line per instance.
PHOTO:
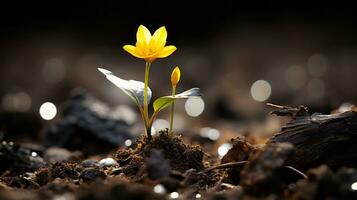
(141, 49)
(158, 40)
(132, 50)
(143, 35)
(166, 51)
(175, 76)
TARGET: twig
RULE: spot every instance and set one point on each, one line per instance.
(240, 163)
(275, 106)
(225, 165)
(297, 171)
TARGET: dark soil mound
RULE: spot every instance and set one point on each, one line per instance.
(181, 157)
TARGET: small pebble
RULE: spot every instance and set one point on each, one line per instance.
(89, 163)
(90, 174)
(107, 162)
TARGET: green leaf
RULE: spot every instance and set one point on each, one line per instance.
(166, 101)
(134, 89)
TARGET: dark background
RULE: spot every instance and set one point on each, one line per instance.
(223, 47)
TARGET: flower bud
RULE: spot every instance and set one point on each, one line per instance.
(175, 76)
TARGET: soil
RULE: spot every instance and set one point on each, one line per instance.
(169, 167)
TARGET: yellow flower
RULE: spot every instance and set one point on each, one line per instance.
(150, 47)
(175, 76)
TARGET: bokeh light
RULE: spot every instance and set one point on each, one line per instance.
(223, 149)
(159, 189)
(48, 111)
(128, 142)
(194, 106)
(354, 186)
(160, 124)
(19, 101)
(174, 195)
(211, 133)
(260, 90)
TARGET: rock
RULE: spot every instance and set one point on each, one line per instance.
(89, 163)
(91, 174)
(88, 125)
(18, 158)
(107, 162)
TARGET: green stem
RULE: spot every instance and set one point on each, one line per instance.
(172, 111)
(146, 110)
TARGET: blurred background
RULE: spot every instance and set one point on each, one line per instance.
(240, 54)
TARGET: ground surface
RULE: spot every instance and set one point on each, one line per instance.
(89, 165)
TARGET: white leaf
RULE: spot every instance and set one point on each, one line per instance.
(134, 89)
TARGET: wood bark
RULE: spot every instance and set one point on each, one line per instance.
(319, 139)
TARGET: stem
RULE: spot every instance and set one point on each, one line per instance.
(146, 110)
(148, 132)
(172, 111)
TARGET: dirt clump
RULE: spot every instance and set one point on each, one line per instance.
(264, 171)
(42, 176)
(64, 170)
(241, 151)
(181, 157)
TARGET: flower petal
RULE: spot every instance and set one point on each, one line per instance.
(143, 35)
(132, 50)
(141, 49)
(166, 51)
(158, 40)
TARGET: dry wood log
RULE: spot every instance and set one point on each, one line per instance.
(319, 139)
